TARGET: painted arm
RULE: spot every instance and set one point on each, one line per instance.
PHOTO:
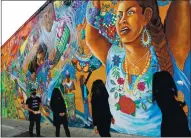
(178, 30)
(97, 43)
(73, 86)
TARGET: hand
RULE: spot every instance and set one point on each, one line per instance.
(95, 130)
(113, 121)
(38, 112)
(61, 114)
(35, 112)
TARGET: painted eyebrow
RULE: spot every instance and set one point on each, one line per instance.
(127, 9)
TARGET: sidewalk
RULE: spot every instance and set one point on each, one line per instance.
(19, 128)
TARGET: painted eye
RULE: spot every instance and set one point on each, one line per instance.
(130, 13)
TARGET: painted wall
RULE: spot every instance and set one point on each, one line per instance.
(53, 43)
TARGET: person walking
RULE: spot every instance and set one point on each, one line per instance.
(33, 105)
(174, 120)
(101, 114)
(58, 107)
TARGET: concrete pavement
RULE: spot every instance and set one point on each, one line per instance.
(11, 128)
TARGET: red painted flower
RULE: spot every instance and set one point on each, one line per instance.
(141, 86)
(120, 81)
(127, 105)
(111, 31)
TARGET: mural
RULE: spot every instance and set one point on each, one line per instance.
(69, 42)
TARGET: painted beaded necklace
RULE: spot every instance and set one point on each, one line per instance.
(147, 64)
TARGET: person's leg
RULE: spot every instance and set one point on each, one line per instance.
(31, 126)
(104, 129)
(65, 124)
(57, 130)
(38, 125)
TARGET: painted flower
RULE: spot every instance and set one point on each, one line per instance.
(120, 81)
(127, 105)
(111, 31)
(141, 86)
(116, 60)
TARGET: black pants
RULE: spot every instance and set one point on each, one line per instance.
(34, 119)
(104, 128)
(65, 124)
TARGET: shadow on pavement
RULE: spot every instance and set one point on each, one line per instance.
(25, 134)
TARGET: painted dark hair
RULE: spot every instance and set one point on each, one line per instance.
(33, 64)
(159, 38)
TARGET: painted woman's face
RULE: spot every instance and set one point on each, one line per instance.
(130, 21)
(40, 58)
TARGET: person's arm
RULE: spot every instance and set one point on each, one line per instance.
(27, 107)
(178, 30)
(73, 86)
(64, 108)
(94, 40)
(94, 116)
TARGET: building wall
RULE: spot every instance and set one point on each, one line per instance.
(62, 27)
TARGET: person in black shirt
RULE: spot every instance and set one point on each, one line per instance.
(174, 120)
(101, 114)
(58, 107)
(33, 105)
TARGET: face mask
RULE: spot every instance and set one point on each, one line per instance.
(34, 94)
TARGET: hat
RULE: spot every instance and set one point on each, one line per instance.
(33, 90)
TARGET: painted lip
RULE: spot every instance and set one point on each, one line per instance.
(125, 30)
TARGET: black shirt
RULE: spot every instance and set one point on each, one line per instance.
(34, 104)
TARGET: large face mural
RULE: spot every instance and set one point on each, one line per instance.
(123, 43)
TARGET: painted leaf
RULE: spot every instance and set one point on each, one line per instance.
(149, 91)
(137, 102)
(112, 90)
(144, 106)
(137, 106)
(118, 108)
(112, 82)
(149, 100)
(116, 104)
(133, 114)
(120, 95)
(116, 95)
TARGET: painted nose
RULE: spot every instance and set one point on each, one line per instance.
(123, 20)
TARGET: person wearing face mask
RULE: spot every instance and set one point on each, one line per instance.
(33, 105)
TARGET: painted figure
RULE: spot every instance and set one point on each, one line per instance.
(85, 93)
(142, 51)
(69, 89)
